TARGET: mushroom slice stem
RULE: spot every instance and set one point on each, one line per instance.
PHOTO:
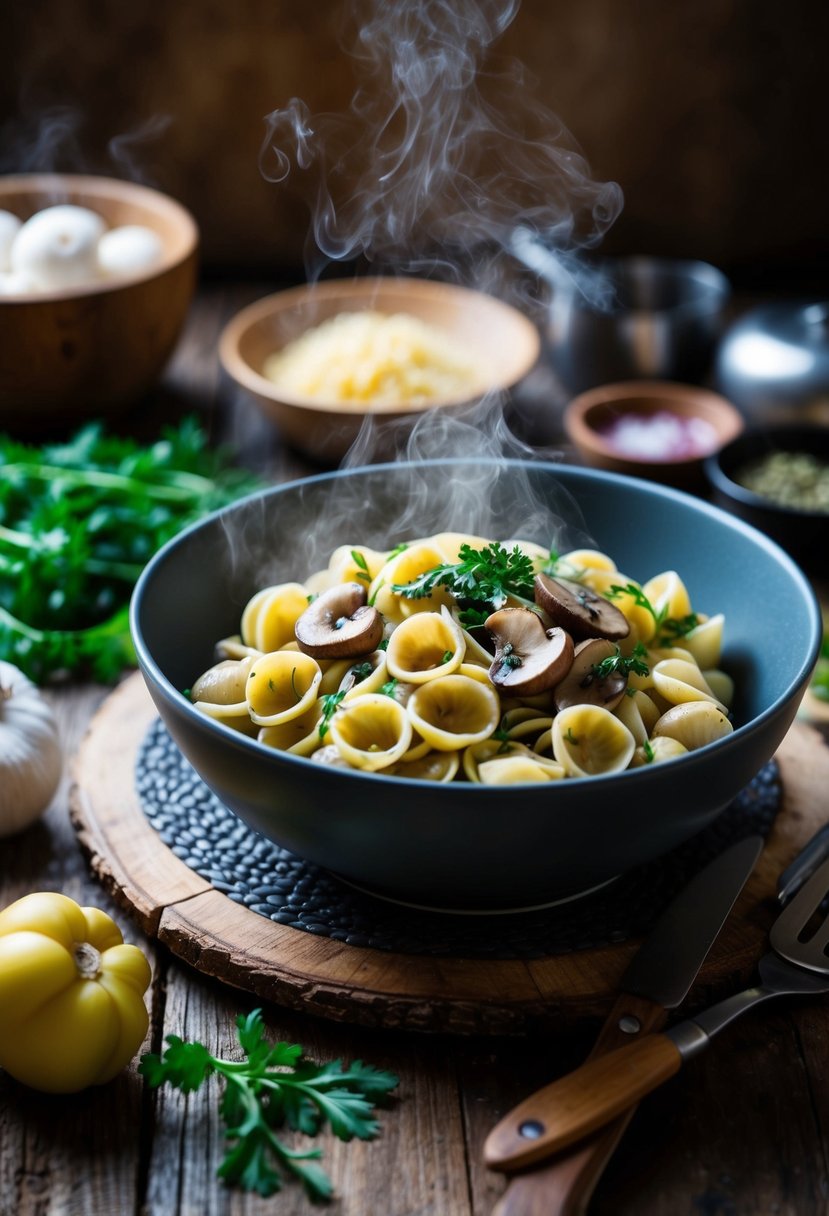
(339, 624)
(529, 659)
(579, 609)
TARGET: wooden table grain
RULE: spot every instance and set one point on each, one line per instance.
(742, 1131)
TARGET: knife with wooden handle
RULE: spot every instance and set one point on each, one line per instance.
(656, 981)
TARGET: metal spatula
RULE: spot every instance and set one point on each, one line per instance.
(602, 1088)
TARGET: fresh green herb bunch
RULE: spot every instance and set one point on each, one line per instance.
(275, 1087)
(481, 581)
(78, 522)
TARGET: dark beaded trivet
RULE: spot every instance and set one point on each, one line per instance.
(269, 880)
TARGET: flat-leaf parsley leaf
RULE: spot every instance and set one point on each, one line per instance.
(275, 1087)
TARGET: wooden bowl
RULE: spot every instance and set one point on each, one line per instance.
(587, 415)
(503, 342)
(91, 351)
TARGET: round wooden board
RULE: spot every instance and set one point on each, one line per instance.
(225, 940)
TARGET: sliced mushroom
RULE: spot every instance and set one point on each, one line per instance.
(583, 685)
(529, 659)
(580, 610)
(339, 624)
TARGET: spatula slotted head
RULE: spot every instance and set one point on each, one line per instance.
(801, 931)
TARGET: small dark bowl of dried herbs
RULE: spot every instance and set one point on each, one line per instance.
(777, 479)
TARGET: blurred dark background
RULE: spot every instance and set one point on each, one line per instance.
(711, 115)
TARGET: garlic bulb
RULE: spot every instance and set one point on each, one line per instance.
(58, 247)
(10, 225)
(129, 250)
(30, 753)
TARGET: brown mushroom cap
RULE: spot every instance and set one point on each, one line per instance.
(339, 624)
(580, 610)
(582, 686)
(528, 658)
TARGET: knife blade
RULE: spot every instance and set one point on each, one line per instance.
(657, 980)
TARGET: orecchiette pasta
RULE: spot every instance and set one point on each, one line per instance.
(422, 663)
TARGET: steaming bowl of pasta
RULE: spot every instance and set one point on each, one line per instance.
(321, 358)
(475, 684)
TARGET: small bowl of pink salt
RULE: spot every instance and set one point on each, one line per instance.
(660, 430)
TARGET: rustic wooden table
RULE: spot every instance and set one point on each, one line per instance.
(742, 1131)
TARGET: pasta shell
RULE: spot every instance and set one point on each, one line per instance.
(355, 564)
(668, 594)
(268, 622)
(516, 770)
(588, 561)
(234, 648)
(589, 740)
(678, 682)
(449, 544)
(355, 683)
(477, 754)
(432, 766)
(404, 568)
(281, 686)
(425, 647)
(721, 685)
(371, 732)
(694, 725)
(454, 712)
(639, 715)
(299, 736)
(220, 691)
(705, 642)
(657, 751)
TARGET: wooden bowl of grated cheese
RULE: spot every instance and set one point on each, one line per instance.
(318, 359)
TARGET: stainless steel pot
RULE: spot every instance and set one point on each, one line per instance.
(773, 363)
(627, 318)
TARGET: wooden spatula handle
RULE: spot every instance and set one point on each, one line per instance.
(583, 1101)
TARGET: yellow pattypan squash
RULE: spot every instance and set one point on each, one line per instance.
(72, 1012)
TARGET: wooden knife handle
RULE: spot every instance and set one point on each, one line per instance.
(582, 1102)
(563, 1187)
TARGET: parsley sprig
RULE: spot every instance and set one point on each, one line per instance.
(624, 664)
(668, 629)
(481, 581)
(78, 522)
(274, 1087)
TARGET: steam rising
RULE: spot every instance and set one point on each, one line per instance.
(443, 151)
(48, 140)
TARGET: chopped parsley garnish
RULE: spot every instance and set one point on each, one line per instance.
(388, 689)
(297, 695)
(648, 751)
(624, 665)
(360, 561)
(481, 581)
(570, 737)
(672, 627)
(362, 671)
(329, 708)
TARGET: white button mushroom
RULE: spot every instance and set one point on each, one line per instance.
(58, 247)
(9, 227)
(129, 250)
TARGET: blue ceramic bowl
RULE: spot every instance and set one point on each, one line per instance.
(463, 845)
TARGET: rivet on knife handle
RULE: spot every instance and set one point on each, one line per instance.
(570, 1109)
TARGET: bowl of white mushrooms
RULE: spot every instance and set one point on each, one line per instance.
(96, 277)
(475, 684)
